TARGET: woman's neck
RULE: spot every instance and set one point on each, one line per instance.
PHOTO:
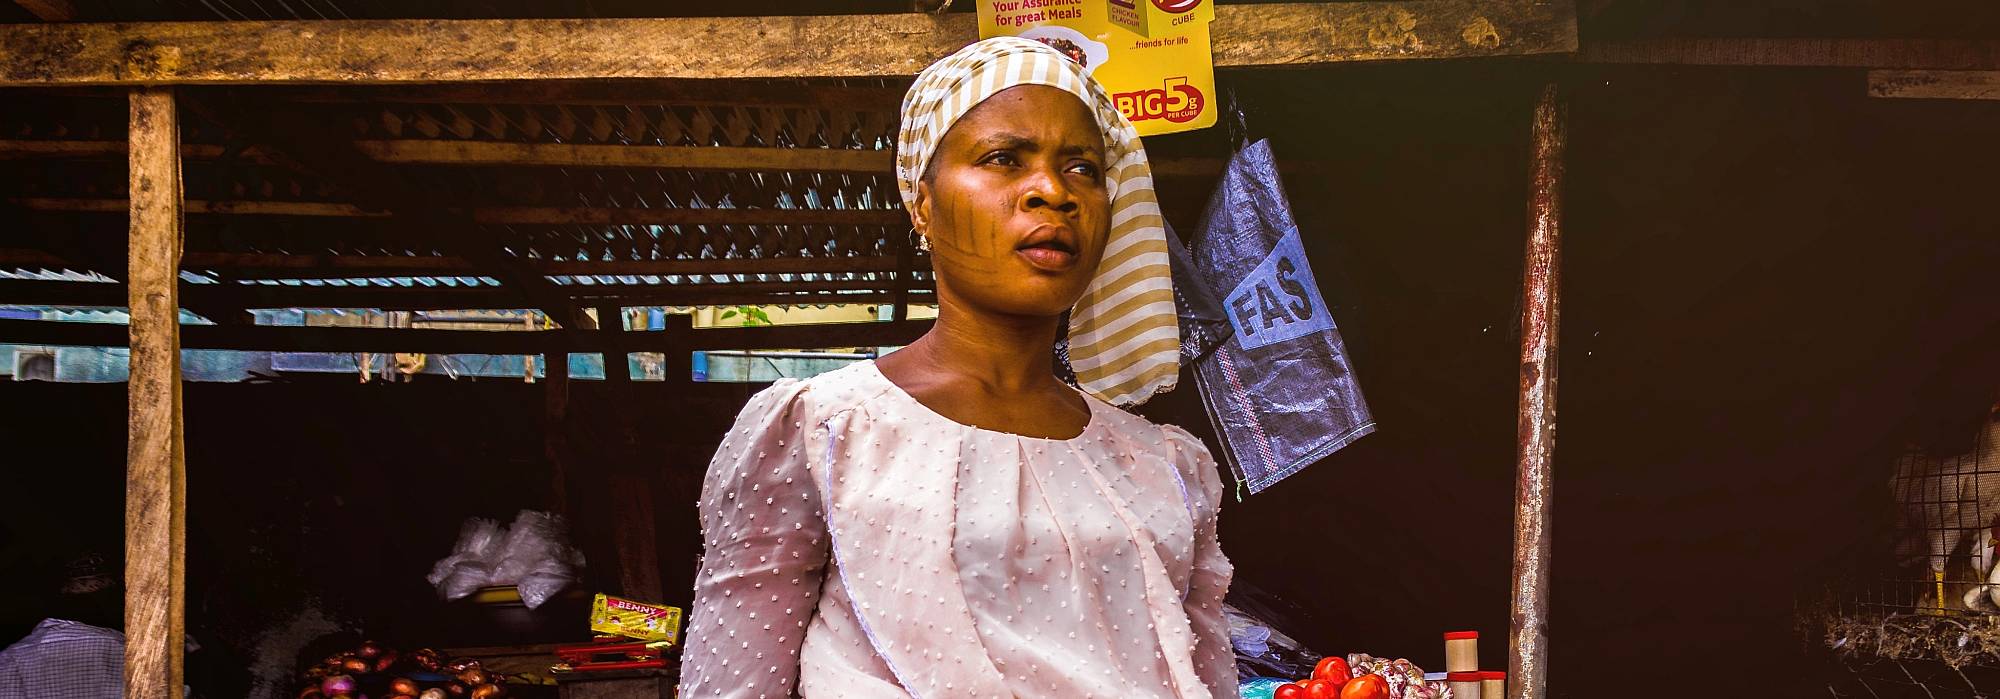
(1007, 353)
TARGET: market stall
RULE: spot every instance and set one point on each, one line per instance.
(219, 167)
(352, 165)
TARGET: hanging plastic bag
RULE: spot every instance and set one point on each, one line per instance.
(469, 567)
(533, 555)
(1280, 388)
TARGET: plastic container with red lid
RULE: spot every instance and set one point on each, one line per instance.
(1493, 684)
(1464, 685)
(1461, 651)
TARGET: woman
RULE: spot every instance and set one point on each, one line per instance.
(953, 520)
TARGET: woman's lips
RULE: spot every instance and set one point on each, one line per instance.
(1049, 247)
(1048, 258)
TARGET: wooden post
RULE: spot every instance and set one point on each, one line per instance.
(155, 463)
(678, 359)
(632, 528)
(611, 321)
(1528, 647)
(555, 414)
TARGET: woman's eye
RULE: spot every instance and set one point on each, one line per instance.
(1002, 158)
(1087, 170)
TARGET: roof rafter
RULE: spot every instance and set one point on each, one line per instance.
(443, 51)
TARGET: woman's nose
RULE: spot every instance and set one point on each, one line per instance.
(1046, 189)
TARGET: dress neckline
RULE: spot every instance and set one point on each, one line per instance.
(897, 390)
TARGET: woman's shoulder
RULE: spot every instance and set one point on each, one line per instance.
(820, 396)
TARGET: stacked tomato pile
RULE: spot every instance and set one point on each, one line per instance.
(1332, 679)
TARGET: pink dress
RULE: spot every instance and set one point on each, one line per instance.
(861, 545)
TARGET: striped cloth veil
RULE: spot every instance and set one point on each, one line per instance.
(1124, 336)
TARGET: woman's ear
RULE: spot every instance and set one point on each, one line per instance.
(920, 208)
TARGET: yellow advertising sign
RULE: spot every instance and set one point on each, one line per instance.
(1151, 55)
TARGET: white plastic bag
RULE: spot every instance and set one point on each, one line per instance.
(533, 554)
(469, 566)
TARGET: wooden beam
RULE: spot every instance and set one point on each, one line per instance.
(447, 51)
(617, 365)
(272, 338)
(1534, 458)
(439, 298)
(49, 10)
(504, 215)
(155, 460)
(1942, 54)
(276, 266)
(1935, 84)
(1307, 33)
(665, 157)
(199, 207)
(619, 93)
(33, 259)
(28, 149)
(691, 216)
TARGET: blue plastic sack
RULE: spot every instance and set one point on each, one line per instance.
(1280, 388)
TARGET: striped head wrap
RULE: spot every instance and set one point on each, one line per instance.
(1124, 336)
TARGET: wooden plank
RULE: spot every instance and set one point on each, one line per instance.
(769, 265)
(1935, 84)
(32, 259)
(617, 369)
(1541, 314)
(271, 338)
(244, 207)
(155, 461)
(617, 93)
(729, 158)
(27, 149)
(508, 215)
(49, 10)
(691, 216)
(1305, 34)
(438, 298)
(894, 45)
(1943, 54)
(632, 531)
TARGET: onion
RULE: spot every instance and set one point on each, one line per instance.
(383, 663)
(487, 691)
(356, 665)
(369, 649)
(456, 689)
(432, 693)
(402, 685)
(311, 692)
(337, 684)
(473, 676)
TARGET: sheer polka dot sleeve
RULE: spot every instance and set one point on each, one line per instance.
(1214, 658)
(764, 555)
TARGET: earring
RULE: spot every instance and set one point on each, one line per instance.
(923, 242)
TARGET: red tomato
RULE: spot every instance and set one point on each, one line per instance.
(1322, 689)
(1333, 668)
(1289, 690)
(1366, 687)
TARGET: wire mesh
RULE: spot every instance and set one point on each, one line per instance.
(1929, 624)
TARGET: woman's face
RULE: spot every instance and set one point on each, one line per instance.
(1015, 203)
